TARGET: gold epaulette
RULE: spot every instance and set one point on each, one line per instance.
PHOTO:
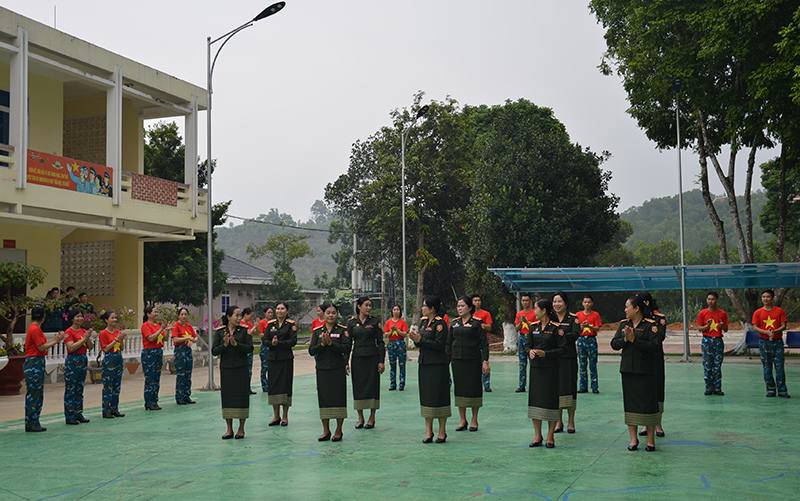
(424, 318)
(342, 326)
(437, 318)
(290, 320)
(650, 320)
(273, 320)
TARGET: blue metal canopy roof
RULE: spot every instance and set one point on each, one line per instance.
(630, 278)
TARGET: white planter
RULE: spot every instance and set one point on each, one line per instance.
(3, 362)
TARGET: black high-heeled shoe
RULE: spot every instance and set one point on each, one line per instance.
(359, 426)
(550, 445)
(537, 443)
(660, 433)
(428, 440)
(274, 423)
(649, 448)
(324, 438)
(643, 433)
(337, 438)
(461, 428)
(441, 440)
(633, 447)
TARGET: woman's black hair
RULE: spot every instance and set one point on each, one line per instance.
(229, 313)
(74, 312)
(652, 305)
(359, 302)
(267, 308)
(147, 310)
(433, 302)
(397, 306)
(106, 315)
(547, 305)
(563, 296)
(182, 308)
(637, 301)
(246, 311)
(37, 313)
(468, 301)
(285, 305)
(325, 307)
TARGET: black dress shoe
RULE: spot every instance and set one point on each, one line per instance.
(784, 395)
(227, 436)
(359, 426)
(770, 394)
(521, 389)
(324, 438)
(538, 443)
(660, 434)
(549, 445)
(108, 415)
(392, 388)
(595, 391)
(239, 437)
(719, 392)
(284, 423)
(473, 428)
(427, 440)
(558, 430)
(633, 447)
(441, 440)
(274, 423)
(180, 402)
(461, 428)
(488, 390)
(118, 414)
(35, 429)
(649, 448)
(336, 438)
(369, 426)
(708, 392)
(402, 387)
(82, 419)
(252, 392)
(570, 430)
(189, 401)
(153, 407)
(643, 432)
(73, 421)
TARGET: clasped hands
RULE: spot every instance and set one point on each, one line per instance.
(535, 353)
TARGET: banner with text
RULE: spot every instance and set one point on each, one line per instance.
(69, 174)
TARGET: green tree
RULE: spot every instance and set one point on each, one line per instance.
(283, 249)
(176, 272)
(722, 50)
(15, 278)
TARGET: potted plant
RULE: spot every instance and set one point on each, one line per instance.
(12, 309)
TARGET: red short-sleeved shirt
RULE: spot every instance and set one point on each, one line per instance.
(183, 330)
(316, 323)
(530, 317)
(401, 324)
(446, 319)
(249, 325)
(718, 317)
(769, 320)
(34, 338)
(594, 320)
(75, 336)
(262, 325)
(484, 316)
(106, 338)
(149, 329)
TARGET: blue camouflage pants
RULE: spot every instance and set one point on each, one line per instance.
(771, 351)
(587, 352)
(183, 370)
(397, 356)
(34, 394)
(523, 360)
(112, 381)
(152, 363)
(74, 380)
(264, 353)
(485, 378)
(713, 348)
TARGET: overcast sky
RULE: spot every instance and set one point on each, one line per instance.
(294, 91)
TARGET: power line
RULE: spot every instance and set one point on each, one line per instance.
(281, 224)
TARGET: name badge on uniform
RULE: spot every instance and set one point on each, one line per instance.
(535, 332)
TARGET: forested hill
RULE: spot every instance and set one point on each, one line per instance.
(657, 219)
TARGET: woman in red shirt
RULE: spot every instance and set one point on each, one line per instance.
(36, 346)
(77, 340)
(152, 356)
(319, 321)
(247, 321)
(111, 341)
(183, 336)
(397, 329)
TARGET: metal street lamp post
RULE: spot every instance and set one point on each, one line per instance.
(272, 9)
(403, 136)
(677, 84)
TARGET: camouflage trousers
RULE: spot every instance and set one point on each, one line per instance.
(771, 351)
(34, 396)
(587, 355)
(713, 348)
(152, 363)
(112, 381)
(264, 353)
(74, 380)
(183, 370)
(523, 360)
(397, 356)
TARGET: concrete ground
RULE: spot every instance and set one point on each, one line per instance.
(740, 446)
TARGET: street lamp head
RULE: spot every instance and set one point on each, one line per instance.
(677, 84)
(272, 9)
(422, 111)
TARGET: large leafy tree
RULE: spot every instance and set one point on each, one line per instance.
(283, 249)
(439, 157)
(538, 200)
(726, 52)
(176, 272)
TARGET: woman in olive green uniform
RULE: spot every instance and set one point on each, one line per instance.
(232, 344)
(366, 364)
(469, 349)
(281, 335)
(661, 322)
(637, 337)
(434, 373)
(568, 368)
(330, 347)
(546, 342)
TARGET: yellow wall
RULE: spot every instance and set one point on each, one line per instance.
(46, 114)
(5, 77)
(43, 246)
(128, 269)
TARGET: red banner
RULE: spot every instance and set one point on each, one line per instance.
(69, 174)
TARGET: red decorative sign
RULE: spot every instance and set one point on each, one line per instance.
(69, 174)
